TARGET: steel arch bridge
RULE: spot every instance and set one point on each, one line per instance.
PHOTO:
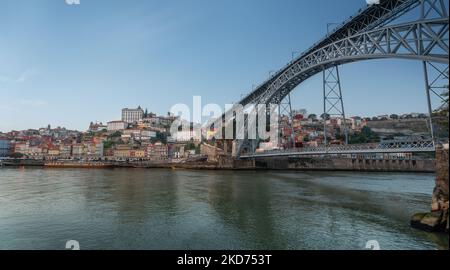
(405, 41)
(365, 36)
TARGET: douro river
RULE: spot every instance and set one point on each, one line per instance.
(176, 209)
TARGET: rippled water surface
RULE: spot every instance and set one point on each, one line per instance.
(171, 209)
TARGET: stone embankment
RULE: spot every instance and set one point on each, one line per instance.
(438, 218)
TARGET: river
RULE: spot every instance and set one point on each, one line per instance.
(177, 209)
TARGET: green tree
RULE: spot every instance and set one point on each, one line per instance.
(325, 116)
(108, 144)
(116, 134)
(365, 136)
(160, 137)
(16, 155)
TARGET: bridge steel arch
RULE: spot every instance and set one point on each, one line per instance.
(365, 36)
(426, 40)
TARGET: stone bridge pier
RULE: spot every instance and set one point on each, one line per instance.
(438, 218)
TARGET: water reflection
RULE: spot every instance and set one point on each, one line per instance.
(167, 209)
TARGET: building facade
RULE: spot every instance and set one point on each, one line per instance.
(5, 147)
(157, 151)
(132, 115)
(116, 126)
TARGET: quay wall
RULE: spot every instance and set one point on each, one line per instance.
(279, 163)
(339, 164)
(437, 220)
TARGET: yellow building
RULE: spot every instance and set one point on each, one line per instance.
(122, 153)
(138, 153)
(53, 152)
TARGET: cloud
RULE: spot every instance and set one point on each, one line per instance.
(23, 77)
(32, 103)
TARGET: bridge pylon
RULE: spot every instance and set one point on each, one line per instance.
(333, 101)
(285, 109)
(436, 82)
(436, 75)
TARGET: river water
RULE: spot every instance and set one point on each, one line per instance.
(177, 209)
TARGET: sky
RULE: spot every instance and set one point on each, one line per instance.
(68, 65)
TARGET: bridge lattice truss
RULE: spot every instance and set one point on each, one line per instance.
(382, 148)
(424, 40)
(365, 36)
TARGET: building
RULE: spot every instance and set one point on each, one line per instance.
(21, 148)
(78, 150)
(65, 150)
(348, 122)
(138, 153)
(122, 151)
(53, 152)
(97, 127)
(132, 115)
(357, 123)
(5, 147)
(116, 126)
(95, 149)
(157, 151)
(147, 135)
(187, 136)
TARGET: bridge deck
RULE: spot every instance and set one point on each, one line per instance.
(344, 150)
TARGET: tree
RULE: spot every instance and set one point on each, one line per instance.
(108, 144)
(365, 136)
(445, 101)
(160, 137)
(16, 155)
(312, 116)
(325, 116)
(191, 146)
(394, 116)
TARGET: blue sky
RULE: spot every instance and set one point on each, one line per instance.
(68, 65)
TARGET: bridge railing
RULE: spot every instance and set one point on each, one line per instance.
(384, 147)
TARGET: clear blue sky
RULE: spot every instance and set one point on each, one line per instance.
(68, 65)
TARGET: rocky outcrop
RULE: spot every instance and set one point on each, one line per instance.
(438, 218)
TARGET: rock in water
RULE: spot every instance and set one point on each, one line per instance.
(430, 222)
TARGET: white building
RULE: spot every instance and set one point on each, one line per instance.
(132, 115)
(187, 136)
(117, 125)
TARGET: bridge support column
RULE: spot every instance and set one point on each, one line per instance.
(285, 109)
(436, 78)
(333, 102)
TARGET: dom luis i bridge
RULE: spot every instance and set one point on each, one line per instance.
(393, 29)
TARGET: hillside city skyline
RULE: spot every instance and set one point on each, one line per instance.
(83, 129)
